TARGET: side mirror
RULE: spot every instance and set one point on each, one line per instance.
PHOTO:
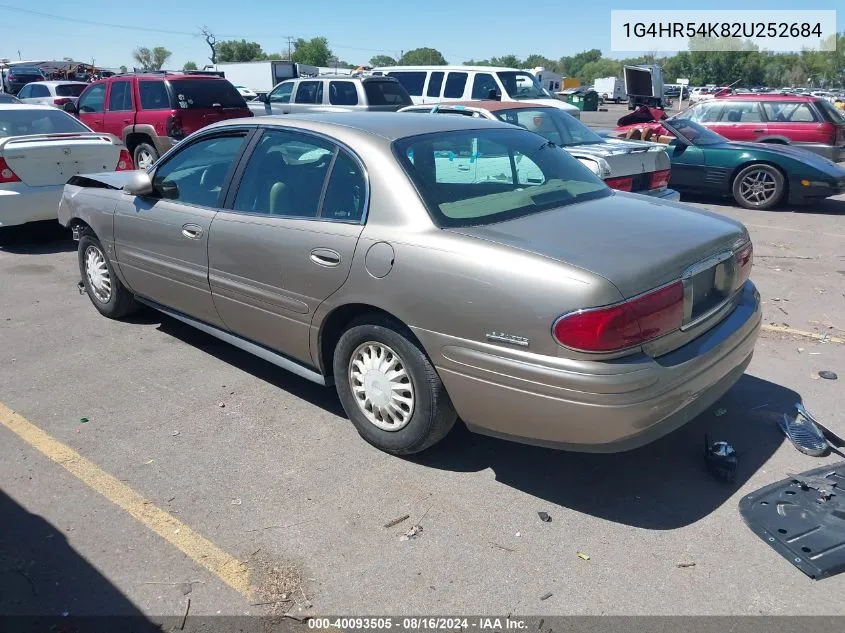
(70, 108)
(265, 98)
(139, 184)
(494, 94)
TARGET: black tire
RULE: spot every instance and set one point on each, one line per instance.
(768, 176)
(432, 416)
(141, 150)
(120, 302)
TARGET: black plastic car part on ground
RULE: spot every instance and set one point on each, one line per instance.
(803, 519)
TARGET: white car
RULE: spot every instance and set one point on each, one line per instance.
(246, 93)
(54, 93)
(41, 147)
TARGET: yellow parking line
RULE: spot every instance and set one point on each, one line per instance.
(788, 330)
(226, 567)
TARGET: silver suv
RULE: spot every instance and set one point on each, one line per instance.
(333, 93)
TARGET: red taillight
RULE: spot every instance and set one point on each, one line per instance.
(174, 126)
(6, 173)
(624, 325)
(622, 184)
(61, 101)
(124, 162)
(744, 260)
(659, 179)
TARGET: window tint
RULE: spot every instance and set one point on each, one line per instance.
(784, 111)
(309, 92)
(741, 112)
(285, 175)
(435, 83)
(833, 113)
(386, 93)
(707, 112)
(93, 99)
(552, 124)
(40, 91)
(343, 93)
(282, 93)
(206, 93)
(120, 99)
(482, 85)
(478, 177)
(35, 121)
(412, 81)
(24, 93)
(195, 175)
(153, 95)
(69, 90)
(455, 84)
(347, 191)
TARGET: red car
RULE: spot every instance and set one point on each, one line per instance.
(808, 122)
(151, 112)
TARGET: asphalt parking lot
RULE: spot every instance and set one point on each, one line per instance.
(199, 472)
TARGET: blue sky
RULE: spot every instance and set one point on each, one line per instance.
(356, 31)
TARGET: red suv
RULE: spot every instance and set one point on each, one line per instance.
(151, 112)
(808, 122)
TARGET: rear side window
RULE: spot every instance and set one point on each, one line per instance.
(455, 84)
(386, 93)
(309, 92)
(343, 93)
(93, 100)
(193, 94)
(120, 98)
(69, 90)
(413, 81)
(153, 95)
(789, 112)
(435, 83)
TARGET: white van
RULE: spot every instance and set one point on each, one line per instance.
(436, 84)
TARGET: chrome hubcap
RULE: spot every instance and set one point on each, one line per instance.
(145, 159)
(758, 187)
(381, 386)
(97, 272)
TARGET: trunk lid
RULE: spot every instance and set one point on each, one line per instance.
(52, 159)
(634, 242)
(625, 158)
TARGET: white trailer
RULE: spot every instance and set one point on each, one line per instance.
(549, 80)
(260, 77)
(644, 85)
(611, 89)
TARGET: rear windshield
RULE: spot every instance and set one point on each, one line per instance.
(205, 93)
(25, 70)
(477, 177)
(70, 90)
(551, 123)
(380, 92)
(831, 112)
(25, 121)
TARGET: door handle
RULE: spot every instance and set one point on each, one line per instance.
(325, 257)
(758, 131)
(192, 231)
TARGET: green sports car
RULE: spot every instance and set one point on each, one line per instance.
(756, 175)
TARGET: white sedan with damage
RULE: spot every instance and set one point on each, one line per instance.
(41, 148)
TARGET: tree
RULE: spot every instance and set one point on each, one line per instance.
(600, 68)
(151, 59)
(478, 62)
(423, 57)
(189, 66)
(315, 51)
(382, 60)
(509, 61)
(239, 51)
(211, 41)
(571, 66)
(539, 61)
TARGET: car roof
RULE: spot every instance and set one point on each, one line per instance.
(27, 106)
(388, 125)
(491, 105)
(767, 97)
(57, 83)
(483, 69)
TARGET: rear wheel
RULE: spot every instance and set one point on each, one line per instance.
(107, 293)
(759, 187)
(144, 155)
(389, 388)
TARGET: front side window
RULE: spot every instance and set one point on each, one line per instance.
(343, 93)
(39, 91)
(741, 112)
(455, 84)
(196, 174)
(476, 177)
(522, 85)
(309, 92)
(413, 81)
(282, 93)
(25, 92)
(788, 112)
(120, 97)
(154, 95)
(707, 112)
(483, 85)
(93, 99)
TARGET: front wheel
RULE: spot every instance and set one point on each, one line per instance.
(759, 187)
(389, 388)
(107, 293)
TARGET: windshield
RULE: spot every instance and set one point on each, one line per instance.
(551, 123)
(70, 90)
(522, 85)
(25, 121)
(477, 177)
(833, 113)
(692, 132)
(191, 94)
